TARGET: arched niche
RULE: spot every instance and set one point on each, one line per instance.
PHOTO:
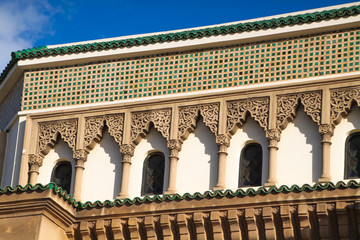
(152, 142)
(60, 152)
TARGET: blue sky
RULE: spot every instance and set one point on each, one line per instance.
(31, 23)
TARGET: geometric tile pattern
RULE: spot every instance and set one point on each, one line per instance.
(232, 66)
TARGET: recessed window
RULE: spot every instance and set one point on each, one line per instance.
(153, 175)
(62, 175)
(352, 156)
(251, 165)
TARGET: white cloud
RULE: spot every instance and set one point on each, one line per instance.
(22, 22)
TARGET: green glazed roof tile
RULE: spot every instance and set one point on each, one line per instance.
(182, 35)
(240, 193)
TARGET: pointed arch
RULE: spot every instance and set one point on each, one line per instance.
(94, 128)
(288, 104)
(141, 122)
(189, 115)
(51, 132)
(341, 101)
(237, 112)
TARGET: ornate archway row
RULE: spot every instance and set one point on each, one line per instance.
(236, 113)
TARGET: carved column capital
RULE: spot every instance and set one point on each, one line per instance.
(127, 149)
(174, 144)
(80, 154)
(326, 129)
(34, 159)
(273, 134)
(223, 139)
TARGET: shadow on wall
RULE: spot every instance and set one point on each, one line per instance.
(313, 138)
(207, 138)
(112, 149)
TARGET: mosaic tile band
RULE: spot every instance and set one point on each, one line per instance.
(286, 59)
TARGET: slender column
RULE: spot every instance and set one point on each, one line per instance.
(273, 135)
(80, 157)
(327, 131)
(127, 151)
(35, 162)
(174, 146)
(223, 141)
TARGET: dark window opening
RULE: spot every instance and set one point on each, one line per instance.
(153, 174)
(251, 165)
(62, 175)
(352, 156)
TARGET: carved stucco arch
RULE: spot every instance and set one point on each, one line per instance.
(237, 112)
(94, 129)
(51, 132)
(341, 101)
(189, 115)
(288, 104)
(141, 122)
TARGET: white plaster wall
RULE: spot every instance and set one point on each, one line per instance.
(198, 161)
(102, 174)
(13, 153)
(152, 142)
(348, 125)
(300, 153)
(61, 152)
(250, 132)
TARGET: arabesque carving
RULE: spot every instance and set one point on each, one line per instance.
(188, 116)
(140, 123)
(341, 101)
(94, 128)
(238, 110)
(287, 104)
(48, 134)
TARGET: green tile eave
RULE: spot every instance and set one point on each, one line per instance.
(240, 193)
(183, 35)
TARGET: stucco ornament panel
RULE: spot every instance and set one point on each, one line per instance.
(341, 101)
(188, 116)
(287, 105)
(140, 123)
(94, 128)
(237, 111)
(48, 134)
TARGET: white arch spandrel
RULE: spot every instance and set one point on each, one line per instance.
(102, 173)
(299, 159)
(198, 161)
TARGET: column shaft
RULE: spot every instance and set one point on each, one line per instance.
(79, 170)
(273, 136)
(327, 131)
(125, 179)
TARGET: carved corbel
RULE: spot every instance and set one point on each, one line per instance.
(273, 135)
(127, 151)
(35, 162)
(80, 156)
(174, 146)
(223, 141)
(327, 131)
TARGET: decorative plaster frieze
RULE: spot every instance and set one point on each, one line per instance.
(341, 101)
